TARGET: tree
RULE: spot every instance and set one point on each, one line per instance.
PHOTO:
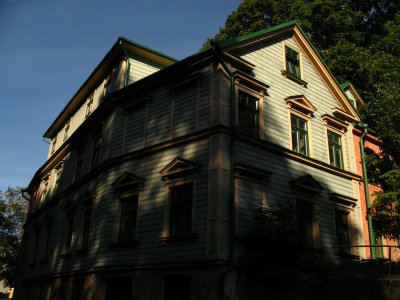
(13, 208)
(358, 40)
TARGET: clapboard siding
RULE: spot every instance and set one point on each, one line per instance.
(279, 189)
(150, 217)
(139, 69)
(269, 60)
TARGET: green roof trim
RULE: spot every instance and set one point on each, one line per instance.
(147, 48)
(345, 84)
(225, 43)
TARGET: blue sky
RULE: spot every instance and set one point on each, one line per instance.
(49, 47)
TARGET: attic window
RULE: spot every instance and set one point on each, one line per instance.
(292, 59)
(292, 68)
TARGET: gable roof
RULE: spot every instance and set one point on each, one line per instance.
(307, 47)
(118, 51)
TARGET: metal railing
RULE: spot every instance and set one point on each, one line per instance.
(377, 246)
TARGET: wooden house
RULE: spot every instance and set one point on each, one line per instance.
(156, 168)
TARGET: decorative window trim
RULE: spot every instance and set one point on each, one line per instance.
(254, 88)
(44, 189)
(338, 127)
(335, 123)
(177, 173)
(255, 175)
(53, 144)
(126, 186)
(301, 104)
(307, 189)
(70, 210)
(301, 107)
(348, 205)
(89, 105)
(86, 199)
(58, 169)
(343, 115)
(66, 129)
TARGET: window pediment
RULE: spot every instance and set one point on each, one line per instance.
(301, 103)
(342, 200)
(343, 115)
(307, 183)
(334, 122)
(178, 166)
(128, 181)
(247, 81)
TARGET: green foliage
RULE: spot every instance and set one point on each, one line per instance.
(359, 41)
(13, 207)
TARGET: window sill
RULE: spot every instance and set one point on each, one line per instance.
(179, 237)
(123, 244)
(294, 78)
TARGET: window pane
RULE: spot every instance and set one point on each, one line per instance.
(342, 229)
(303, 142)
(294, 140)
(128, 218)
(248, 114)
(181, 208)
(305, 218)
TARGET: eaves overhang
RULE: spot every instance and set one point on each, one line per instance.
(117, 52)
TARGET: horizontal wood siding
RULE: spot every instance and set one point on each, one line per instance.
(249, 201)
(150, 217)
(269, 60)
(139, 69)
(185, 111)
(279, 188)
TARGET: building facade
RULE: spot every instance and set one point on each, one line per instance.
(156, 168)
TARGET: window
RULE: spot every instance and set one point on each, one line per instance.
(89, 106)
(292, 59)
(79, 163)
(342, 228)
(176, 287)
(58, 172)
(344, 219)
(47, 247)
(127, 188)
(44, 191)
(181, 208)
(305, 220)
(87, 216)
(53, 144)
(307, 197)
(180, 190)
(335, 149)
(66, 129)
(248, 114)
(96, 150)
(128, 217)
(70, 233)
(299, 135)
